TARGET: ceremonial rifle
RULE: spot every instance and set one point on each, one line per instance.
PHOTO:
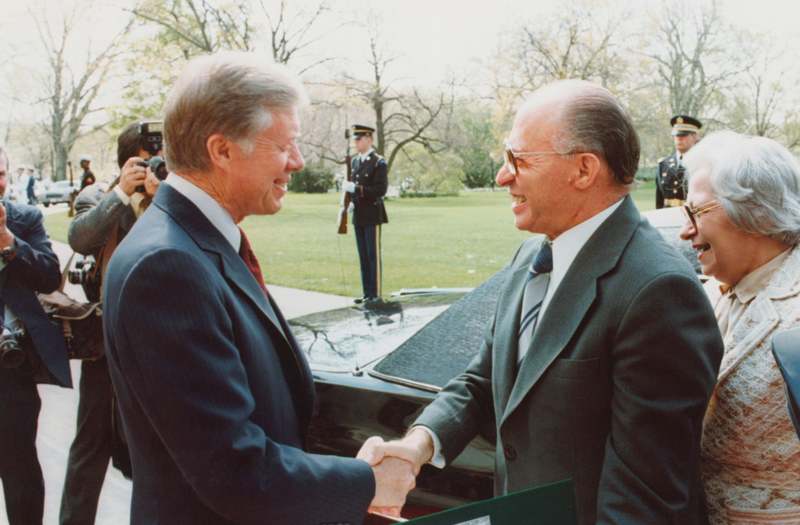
(345, 195)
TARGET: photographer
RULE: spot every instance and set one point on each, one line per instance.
(101, 217)
(27, 265)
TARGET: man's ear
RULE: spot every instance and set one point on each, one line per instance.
(590, 169)
(221, 151)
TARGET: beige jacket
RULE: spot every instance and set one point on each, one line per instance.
(750, 454)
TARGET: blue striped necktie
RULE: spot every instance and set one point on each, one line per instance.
(535, 290)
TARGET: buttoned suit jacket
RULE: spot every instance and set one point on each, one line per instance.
(215, 393)
(614, 386)
(34, 268)
(371, 182)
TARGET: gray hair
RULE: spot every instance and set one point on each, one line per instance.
(756, 180)
(596, 122)
(232, 93)
(3, 153)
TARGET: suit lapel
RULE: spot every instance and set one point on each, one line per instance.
(209, 238)
(572, 299)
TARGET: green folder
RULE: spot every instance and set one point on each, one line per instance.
(552, 504)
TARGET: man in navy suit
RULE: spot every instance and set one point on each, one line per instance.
(215, 393)
(27, 265)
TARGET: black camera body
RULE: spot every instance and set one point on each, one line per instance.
(84, 272)
(157, 165)
(12, 353)
(152, 133)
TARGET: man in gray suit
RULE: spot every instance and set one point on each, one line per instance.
(602, 355)
(102, 216)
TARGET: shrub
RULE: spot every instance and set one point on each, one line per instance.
(311, 179)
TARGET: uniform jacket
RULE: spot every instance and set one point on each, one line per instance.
(751, 456)
(87, 179)
(33, 269)
(669, 181)
(371, 183)
(215, 394)
(614, 386)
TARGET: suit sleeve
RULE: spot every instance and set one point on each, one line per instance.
(378, 189)
(96, 214)
(35, 261)
(665, 361)
(465, 405)
(179, 350)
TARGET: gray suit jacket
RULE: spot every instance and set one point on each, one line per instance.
(96, 214)
(614, 387)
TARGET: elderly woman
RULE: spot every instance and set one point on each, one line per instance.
(743, 218)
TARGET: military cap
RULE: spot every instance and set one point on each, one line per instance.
(683, 125)
(362, 131)
(87, 158)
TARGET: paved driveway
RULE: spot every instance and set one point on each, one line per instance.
(60, 406)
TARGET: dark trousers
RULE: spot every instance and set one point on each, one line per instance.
(368, 240)
(90, 452)
(23, 484)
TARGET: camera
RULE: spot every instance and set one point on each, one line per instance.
(12, 355)
(84, 272)
(157, 165)
(152, 133)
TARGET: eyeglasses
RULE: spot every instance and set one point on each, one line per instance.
(692, 214)
(511, 156)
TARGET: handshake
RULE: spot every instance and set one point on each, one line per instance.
(395, 465)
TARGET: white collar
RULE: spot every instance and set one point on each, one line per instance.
(364, 156)
(216, 214)
(567, 245)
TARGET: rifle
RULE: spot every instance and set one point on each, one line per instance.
(72, 192)
(345, 195)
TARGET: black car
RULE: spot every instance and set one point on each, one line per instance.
(376, 367)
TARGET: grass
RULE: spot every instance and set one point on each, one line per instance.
(442, 241)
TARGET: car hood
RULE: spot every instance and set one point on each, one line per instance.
(348, 339)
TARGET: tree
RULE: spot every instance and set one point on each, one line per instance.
(201, 26)
(401, 118)
(71, 90)
(692, 51)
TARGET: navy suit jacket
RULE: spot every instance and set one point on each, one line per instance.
(33, 269)
(215, 393)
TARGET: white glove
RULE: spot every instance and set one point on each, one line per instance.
(351, 208)
(349, 186)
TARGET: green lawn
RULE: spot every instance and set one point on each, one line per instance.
(442, 241)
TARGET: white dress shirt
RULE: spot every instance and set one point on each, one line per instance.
(565, 248)
(216, 214)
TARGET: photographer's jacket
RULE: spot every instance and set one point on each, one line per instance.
(669, 180)
(371, 183)
(34, 268)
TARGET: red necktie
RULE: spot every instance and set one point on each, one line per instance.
(249, 258)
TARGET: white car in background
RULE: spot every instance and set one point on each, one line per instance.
(58, 192)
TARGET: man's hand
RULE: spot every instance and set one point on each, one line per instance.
(394, 479)
(131, 176)
(151, 183)
(6, 237)
(416, 448)
(349, 186)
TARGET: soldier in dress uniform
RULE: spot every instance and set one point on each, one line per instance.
(88, 178)
(368, 186)
(669, 178)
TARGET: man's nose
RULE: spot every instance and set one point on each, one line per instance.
(504, 176)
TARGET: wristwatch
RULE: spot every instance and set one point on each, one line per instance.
(9, 252)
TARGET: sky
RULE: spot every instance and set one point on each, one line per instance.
(428, 37)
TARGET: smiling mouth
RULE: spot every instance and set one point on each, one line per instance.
(518, 199)
(703, 248)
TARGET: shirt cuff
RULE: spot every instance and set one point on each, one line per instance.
(122, 195)
(437, 460)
